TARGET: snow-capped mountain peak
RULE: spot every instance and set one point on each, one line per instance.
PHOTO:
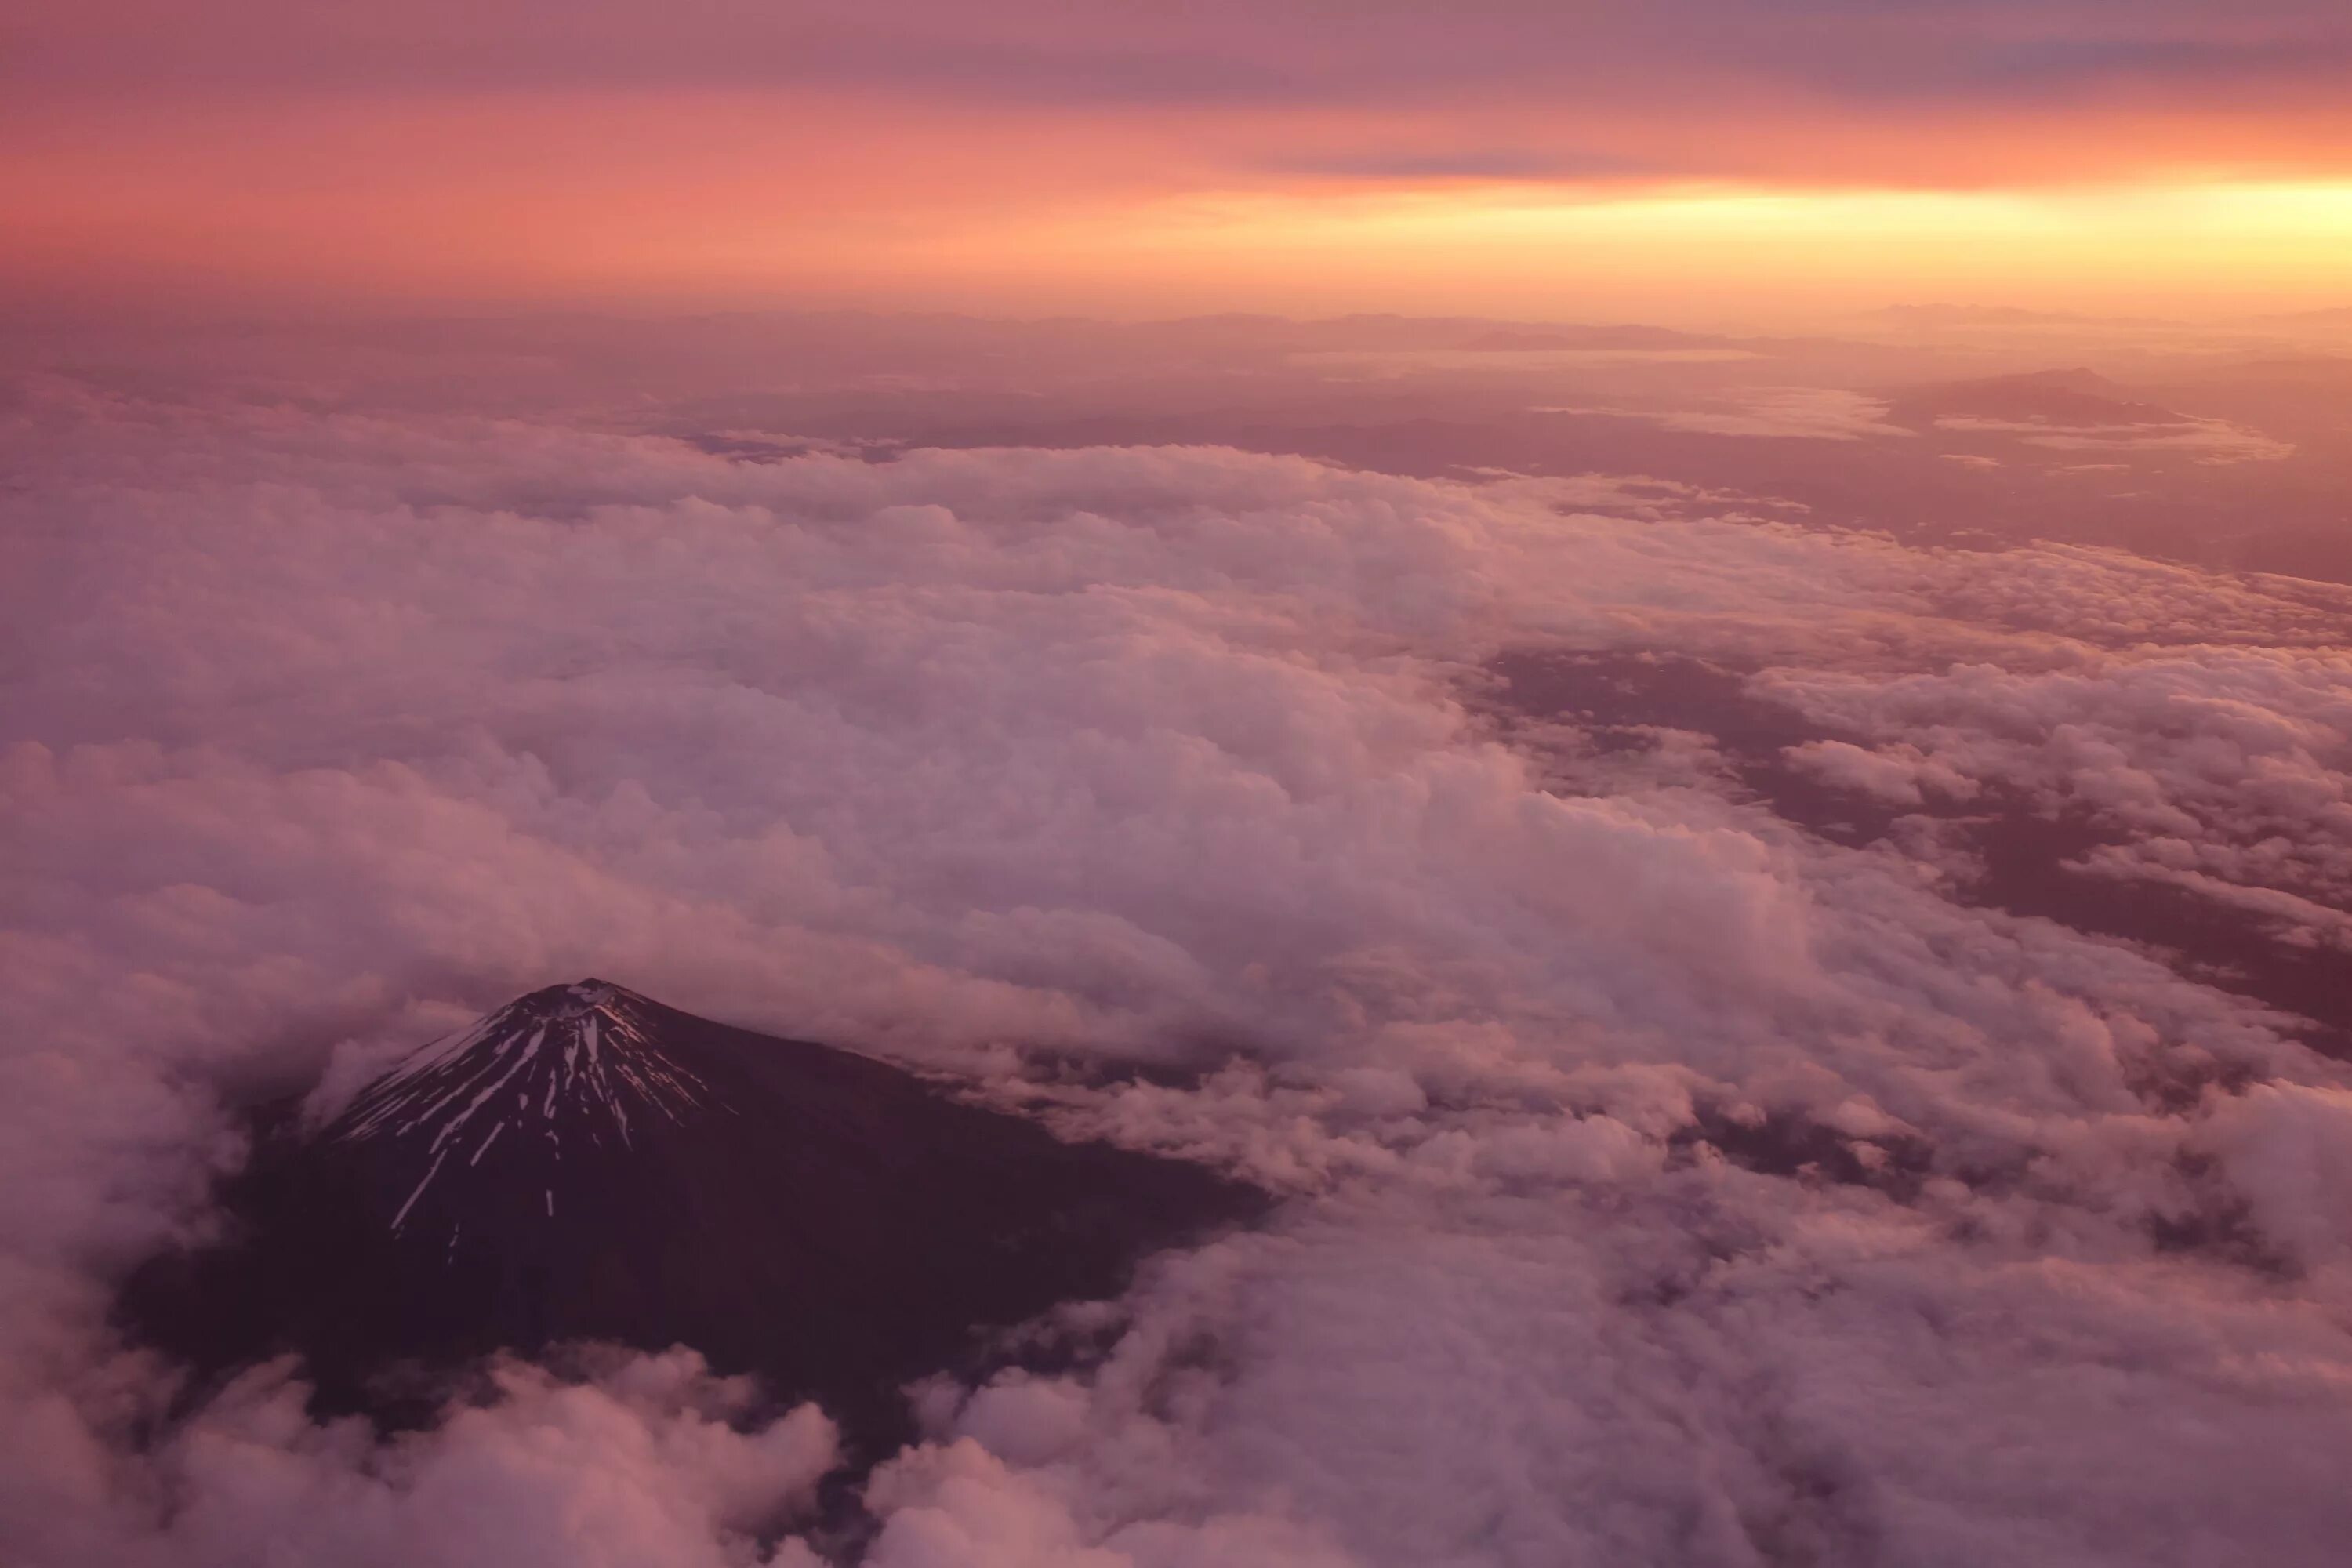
(589, 1163)
(577, 1067)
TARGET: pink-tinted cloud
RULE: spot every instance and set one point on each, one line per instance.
(1663, 1183)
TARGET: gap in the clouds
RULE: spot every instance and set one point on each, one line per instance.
(2001, 850)
(2220, 1230)
(1775, 1143)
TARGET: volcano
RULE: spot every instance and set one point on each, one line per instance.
(585, 1163)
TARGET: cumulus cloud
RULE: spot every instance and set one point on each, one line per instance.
(649, 1460)
(2224, 764)
(1664, 1181)
(1899, 773)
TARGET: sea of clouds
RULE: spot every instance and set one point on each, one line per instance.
(1663, 1183)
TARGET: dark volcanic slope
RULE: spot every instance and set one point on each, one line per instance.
(587, 1164)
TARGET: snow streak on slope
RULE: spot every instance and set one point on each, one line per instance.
(578, 1059)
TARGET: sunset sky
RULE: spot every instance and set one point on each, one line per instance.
(1498, 156)
(1609, 743)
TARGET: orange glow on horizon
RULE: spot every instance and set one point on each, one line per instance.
(746, 200)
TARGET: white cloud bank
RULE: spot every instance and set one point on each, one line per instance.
(1666, 1185)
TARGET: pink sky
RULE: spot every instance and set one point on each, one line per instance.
(1130, 159)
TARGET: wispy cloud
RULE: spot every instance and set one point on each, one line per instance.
(1804, 412)
(2206, 440)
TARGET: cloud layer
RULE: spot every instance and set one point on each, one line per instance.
(1665, 1183)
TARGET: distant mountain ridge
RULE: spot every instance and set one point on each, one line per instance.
(2075, 398)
